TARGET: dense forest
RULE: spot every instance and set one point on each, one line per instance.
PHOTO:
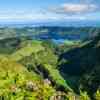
(39, 69)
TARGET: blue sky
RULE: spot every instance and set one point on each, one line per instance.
(49, 10)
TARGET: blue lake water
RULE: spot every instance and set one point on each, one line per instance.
(56, 37)
(59, 37)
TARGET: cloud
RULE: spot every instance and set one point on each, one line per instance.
(74, 8)
(27, 16)
(70, 12)
(37, 16)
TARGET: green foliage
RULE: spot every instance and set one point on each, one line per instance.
(25, 64)
(14, 79)
(84, 95)
(97, 95)
(31, 47)
(46, 57)
(54, 74)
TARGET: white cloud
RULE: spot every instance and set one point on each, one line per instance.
(53, 15)
(27, 16)
(38, 17)
(74, 8)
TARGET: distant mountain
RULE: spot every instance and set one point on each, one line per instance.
(77, 23)
(50, 32)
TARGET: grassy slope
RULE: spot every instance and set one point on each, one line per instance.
(14, 75)
(32, 47)
(55, 76)
(14, 78)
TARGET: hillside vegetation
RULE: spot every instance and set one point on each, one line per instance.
(41, 70)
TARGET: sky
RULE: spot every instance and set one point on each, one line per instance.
(49, 10)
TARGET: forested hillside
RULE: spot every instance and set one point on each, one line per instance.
(42, 70)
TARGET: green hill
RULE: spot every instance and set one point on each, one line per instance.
(40, 70)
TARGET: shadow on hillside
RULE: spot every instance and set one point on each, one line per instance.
(81, 59)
